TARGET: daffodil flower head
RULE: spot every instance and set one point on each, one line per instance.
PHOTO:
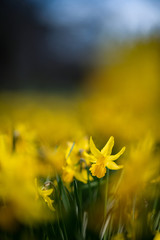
(45, 194)
(76, 162)
(102, 159)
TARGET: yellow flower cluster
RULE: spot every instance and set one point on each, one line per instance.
(43, 146)
(24, 160)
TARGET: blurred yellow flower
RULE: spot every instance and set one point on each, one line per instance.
(75, 152)
(119, 236)
(18, 170)
(24, 140)
(44, 193)
(157, 237)
(71, 171)
(102, 159)
(76, 162)
(144, 161)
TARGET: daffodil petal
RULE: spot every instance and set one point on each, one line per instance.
(69, 161)
(82, 176)
(49, 203)
(68, 174)
(113, 166)
(89, 157)
(107, 149)
(46, 192)
(94, 150)
(116, 156)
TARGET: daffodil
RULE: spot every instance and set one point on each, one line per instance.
(71, 171)
(102, 159)
(75, 152)
(157, 236)
(76, 162)
(44, 193)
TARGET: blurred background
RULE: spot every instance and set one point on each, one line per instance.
(76, 68)
(57, 44)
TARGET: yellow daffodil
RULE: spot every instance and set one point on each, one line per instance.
(157, 236)
(71, 171)
(76, 162)
(75, 152)
(44, 193)
(102, 159)
(119, 236)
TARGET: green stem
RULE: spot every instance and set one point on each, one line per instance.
(106, 193)
(89, 186)
(106, 200)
